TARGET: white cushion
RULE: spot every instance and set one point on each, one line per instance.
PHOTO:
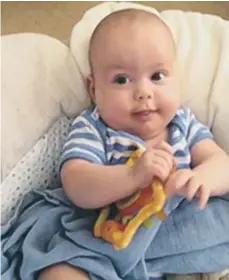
(202, 56)
(38, 169)
(203, 59)
(40, 79)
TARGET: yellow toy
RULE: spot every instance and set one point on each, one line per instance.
(132, 212)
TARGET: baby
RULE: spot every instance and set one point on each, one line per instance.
(134, 86)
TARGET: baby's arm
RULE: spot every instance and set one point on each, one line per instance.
(209, 175)
(211, 166)
(87, 179)
(91, 185)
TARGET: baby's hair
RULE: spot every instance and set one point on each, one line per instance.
(128, 15)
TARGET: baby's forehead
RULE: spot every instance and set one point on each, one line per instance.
(122, 21)
(124, 18)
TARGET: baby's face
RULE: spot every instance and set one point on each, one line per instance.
(134, 81)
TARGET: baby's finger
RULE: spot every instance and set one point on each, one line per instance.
(155, 142)
(177, 181)
(169, 186)
(160, 171)
(204, 196)
(164, 157)
(166, 147)
(191, 188)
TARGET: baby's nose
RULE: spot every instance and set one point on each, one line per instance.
(143, 93)
(143, 96)
(144, 90)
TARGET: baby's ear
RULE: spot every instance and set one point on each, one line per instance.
(90, 87)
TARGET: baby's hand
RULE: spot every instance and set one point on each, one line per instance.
(157, 162)
(185, 182)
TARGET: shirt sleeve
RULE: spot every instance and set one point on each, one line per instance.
(196, 131)
(84, 142)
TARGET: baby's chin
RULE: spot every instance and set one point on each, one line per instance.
(145, 131)
(149, 132)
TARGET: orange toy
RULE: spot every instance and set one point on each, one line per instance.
(132, 212)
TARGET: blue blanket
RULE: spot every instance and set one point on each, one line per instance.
(47, 229)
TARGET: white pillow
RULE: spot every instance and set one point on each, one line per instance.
(203, 59)
(40, 79)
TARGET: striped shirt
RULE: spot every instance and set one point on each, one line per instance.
(92, 140)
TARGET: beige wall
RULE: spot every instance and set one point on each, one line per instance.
(58, 18)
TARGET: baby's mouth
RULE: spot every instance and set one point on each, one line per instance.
(144, 114)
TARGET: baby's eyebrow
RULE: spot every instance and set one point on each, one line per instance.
(159, 64)
(115, 66)
(162, 66)
(119, 67)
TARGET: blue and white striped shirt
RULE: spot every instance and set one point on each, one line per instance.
(92, 140)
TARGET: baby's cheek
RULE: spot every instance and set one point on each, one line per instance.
(115, 112)
(118, 104)
(171, 103)
(116, 115)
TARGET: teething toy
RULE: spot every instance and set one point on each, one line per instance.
(132, 212)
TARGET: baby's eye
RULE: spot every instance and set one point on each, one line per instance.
(121, 80)
(158, 76)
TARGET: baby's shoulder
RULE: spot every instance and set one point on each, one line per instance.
(87, 114)
(89, 122)
(183, 118)
(190, 126)
(184, 113)
(88, 118)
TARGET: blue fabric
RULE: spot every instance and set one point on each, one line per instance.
(48, 229)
